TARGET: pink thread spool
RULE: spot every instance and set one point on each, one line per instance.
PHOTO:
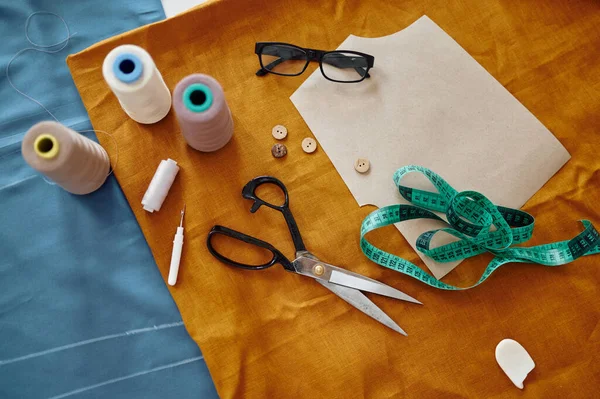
(202, 112)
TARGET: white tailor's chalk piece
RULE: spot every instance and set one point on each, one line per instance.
(514, 360)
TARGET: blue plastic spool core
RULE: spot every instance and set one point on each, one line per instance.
(197, 97)
(127, 68)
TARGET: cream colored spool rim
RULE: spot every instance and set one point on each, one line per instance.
(46, 146)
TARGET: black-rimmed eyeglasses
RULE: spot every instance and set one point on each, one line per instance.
(288, 60)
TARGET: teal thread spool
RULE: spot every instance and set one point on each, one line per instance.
(197, 97)
(202, 112)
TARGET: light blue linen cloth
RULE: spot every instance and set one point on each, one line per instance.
(84, 312)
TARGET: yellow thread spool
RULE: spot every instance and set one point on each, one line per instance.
(69, 159)
(46, 146)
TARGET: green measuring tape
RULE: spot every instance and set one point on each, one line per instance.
(470, 216)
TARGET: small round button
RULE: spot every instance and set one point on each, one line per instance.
(278, 150)
(279, 132)
(309, 145)
(362, 165)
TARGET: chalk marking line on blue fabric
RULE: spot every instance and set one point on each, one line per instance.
(90, 341)
(126, 377)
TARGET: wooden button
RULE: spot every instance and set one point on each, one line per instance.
(278, 150)
(362, 165)
(309, 145)
(279, 132)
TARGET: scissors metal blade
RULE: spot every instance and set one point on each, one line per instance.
(359, 282)
(362, 303)
(308, 265)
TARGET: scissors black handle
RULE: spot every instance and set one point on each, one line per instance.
(249, 192)
(278, 257)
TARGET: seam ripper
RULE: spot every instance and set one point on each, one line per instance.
(176, 254)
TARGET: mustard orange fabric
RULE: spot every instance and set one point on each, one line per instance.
(272, 334)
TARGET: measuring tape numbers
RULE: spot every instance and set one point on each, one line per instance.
(470, 216)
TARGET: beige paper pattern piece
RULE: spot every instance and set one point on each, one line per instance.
(428, 102)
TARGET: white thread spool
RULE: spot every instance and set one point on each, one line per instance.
(133, 77)
(160, 185)
(71, 160)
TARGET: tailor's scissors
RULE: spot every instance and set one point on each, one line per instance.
(345, 284)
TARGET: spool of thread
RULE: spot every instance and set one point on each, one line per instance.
(160, 185)
(133, 77)
(71, 160)
(202, 112)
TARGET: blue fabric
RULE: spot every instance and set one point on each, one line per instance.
(84, 312)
